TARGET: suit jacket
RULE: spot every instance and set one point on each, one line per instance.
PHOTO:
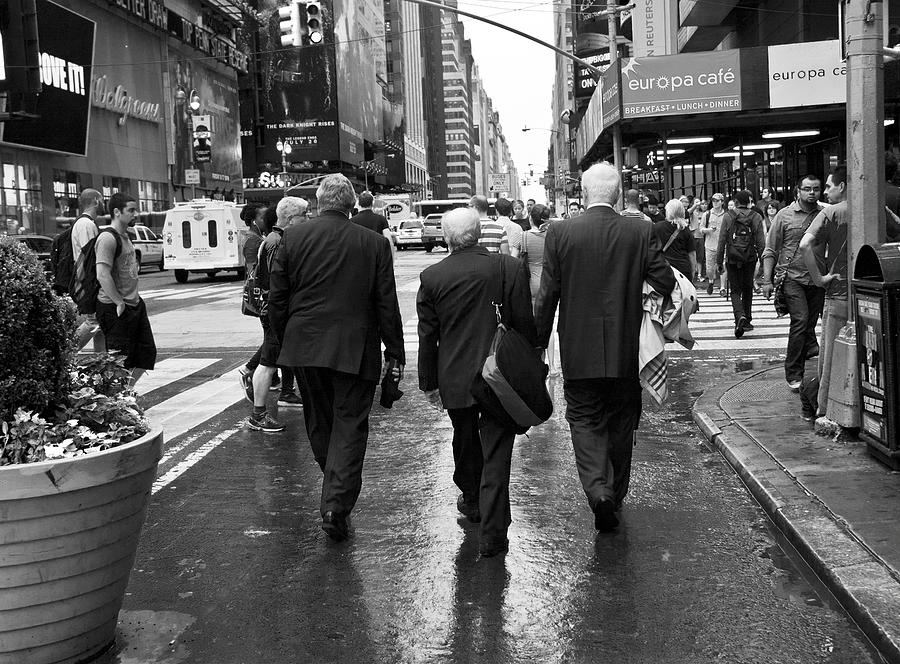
(595, 266)
(457, 320)
(332, 297)
(371, 220)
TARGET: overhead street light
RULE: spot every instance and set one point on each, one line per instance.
(689, 141)
(791, 134)
(285, 149)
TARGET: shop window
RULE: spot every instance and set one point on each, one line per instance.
(66, 188)
(20, 197)
(152, 196)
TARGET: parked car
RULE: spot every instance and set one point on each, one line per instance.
(409, 234)
(432, 235)
(39, 244)
(148, 246)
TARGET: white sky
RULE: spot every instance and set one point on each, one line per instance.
(517, 76)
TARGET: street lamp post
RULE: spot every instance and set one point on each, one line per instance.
(285, 149)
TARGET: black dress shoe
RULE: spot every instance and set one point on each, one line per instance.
(335, 526)
(489, 550)
(469, 508)
(605, 519)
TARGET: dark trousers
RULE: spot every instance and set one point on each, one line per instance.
(287, 375)
(482, 454)
(740, 280)
(336, 408)
(603, 414)
(700, 251)
(804, 304)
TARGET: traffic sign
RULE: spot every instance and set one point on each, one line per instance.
(192, 176)
(499, 182)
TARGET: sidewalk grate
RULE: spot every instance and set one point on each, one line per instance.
(758, 390)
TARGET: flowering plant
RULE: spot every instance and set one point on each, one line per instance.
(50, 406)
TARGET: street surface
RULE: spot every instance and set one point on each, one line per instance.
(234, 568)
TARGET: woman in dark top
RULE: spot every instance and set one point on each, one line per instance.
(252, 214)
(675, 237)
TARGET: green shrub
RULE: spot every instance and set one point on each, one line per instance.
(36, 335)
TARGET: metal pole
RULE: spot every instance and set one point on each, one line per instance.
(284, 172)
(611, 8)
(865, 125)
(591, 68)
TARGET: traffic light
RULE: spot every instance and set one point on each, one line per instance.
(20, 73)
(289, 25)
(314, 21)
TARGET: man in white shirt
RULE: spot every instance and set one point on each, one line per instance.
(90, 202)
(514, 233)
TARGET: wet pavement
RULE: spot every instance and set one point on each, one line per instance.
(233, 567)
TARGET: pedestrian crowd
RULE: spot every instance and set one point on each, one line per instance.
(331, 324)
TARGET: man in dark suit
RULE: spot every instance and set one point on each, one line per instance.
(457, 322)
(594, 268)
(372, 220)
(332, 302)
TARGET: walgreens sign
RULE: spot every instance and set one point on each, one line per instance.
(681, 84)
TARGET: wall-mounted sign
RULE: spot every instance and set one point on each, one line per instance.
(192, 176)
(154, 13)
(67, 55)
(585, 82)
(202, 138)
(807, 74)
(116, 99)
(681, 84)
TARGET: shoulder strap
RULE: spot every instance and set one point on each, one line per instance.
(498, 301)
(115, 235)
(671, 239)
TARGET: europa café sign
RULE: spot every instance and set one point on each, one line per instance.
(67, 55)
(687, 83)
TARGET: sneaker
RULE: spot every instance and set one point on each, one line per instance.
(265, 423)
(245, 376)
(709, 288)
(794, 385)
(748, 326)
(290, 399)
(739, 327)
(808, 415)
(276, 383)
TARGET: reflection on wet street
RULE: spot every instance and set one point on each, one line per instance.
(235, 566)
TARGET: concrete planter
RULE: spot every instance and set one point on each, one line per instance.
(69, 531)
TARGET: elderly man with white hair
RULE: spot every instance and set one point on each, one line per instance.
(456, 325)
(594, 268)
(332, 303)
(290, 209)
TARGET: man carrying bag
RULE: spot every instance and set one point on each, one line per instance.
(457, 325)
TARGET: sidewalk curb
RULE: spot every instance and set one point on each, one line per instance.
(867, 588)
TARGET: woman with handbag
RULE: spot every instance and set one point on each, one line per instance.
(677, 240)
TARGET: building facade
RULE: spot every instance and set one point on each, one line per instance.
(738, 94)
(416, 138)
(119, 115)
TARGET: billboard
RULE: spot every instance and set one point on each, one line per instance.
(683, 84)
(298, 90)
(216, 148)
(361, 71)
(64, 105)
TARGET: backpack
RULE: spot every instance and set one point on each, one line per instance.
(62, 261)
(84, 290)
(741, 242)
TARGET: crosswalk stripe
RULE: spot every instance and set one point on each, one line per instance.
(170, 370)
(195, 406)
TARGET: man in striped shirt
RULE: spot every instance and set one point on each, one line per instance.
(493, 235)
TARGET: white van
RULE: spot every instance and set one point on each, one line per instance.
(203, 236)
